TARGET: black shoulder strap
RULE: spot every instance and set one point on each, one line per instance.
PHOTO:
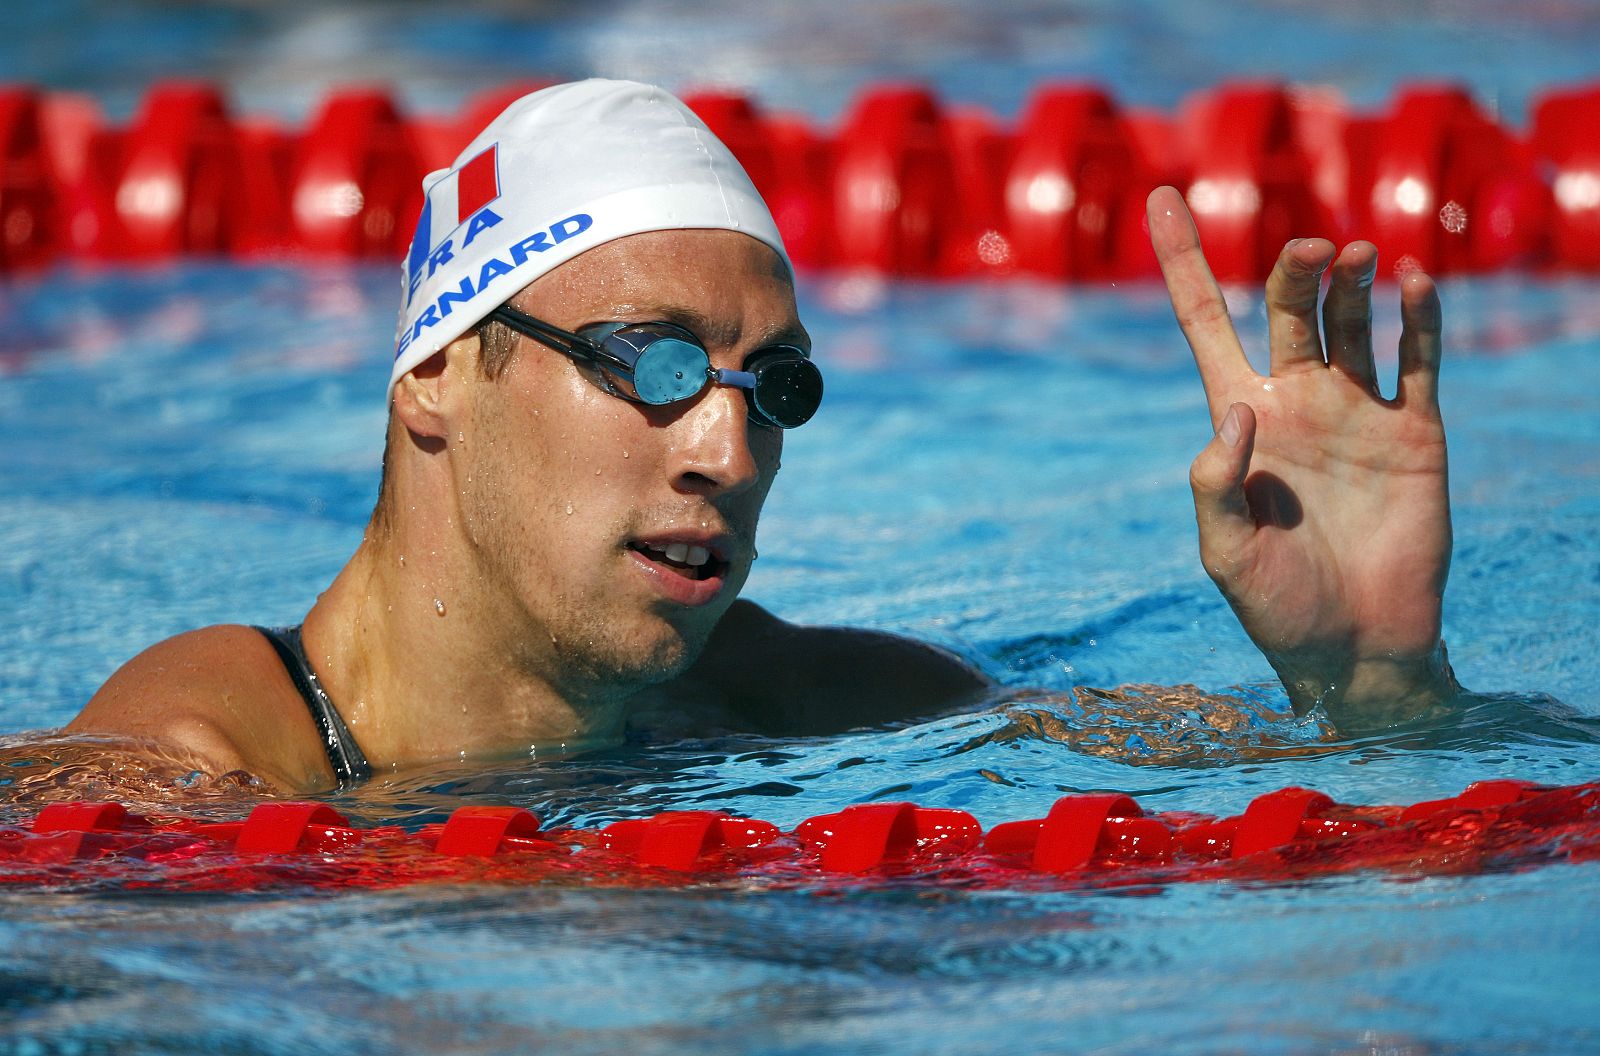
(349, 763)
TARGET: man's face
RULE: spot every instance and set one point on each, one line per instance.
(613, 536)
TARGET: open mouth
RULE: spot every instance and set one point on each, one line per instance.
(691, 562)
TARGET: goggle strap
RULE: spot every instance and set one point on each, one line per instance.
(564, 341)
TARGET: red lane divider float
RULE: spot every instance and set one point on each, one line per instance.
(1566, 138)
(1074, 188)
(1086, 841)
(904, 185)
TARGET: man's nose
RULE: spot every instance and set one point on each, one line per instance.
(713, 450)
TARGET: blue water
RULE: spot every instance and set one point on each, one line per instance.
(999, 469)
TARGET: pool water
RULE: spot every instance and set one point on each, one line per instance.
(1000, 469)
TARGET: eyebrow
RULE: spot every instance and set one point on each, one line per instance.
(698, 323)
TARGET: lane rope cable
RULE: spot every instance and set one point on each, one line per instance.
(1087, 841)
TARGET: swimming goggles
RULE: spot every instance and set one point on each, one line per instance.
(661, 363)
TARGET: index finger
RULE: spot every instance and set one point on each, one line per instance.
(1196, 299)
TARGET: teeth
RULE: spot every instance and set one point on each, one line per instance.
(679, 553)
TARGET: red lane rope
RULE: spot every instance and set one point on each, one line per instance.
(903, 185)
(1086, 841)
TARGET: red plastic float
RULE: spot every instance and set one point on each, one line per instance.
(870, 835)
(260, 224)
(357, 186)
(1441, 187)
(1074, 191)
(905, 185)
(1251, 186)
(84, 158)
(978, 151)
(27, 187)
(680, 839)
(176, 192)
(1566, 137)
(802, 204)
(892, 188)
(1086, 841)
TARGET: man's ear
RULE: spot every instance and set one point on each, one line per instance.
(427, 397)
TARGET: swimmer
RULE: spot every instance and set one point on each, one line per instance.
(597, 360)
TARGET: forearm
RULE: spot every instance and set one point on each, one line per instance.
(1368, 693)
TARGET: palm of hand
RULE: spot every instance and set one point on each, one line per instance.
(1348, 499)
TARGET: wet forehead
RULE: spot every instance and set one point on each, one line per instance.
(726, 287)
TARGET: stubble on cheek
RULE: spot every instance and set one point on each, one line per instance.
(562, 574)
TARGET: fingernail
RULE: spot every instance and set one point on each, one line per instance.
(1229, 429)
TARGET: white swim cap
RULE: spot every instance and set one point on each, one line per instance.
(561, 171)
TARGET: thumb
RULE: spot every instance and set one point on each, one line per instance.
(1217, 478)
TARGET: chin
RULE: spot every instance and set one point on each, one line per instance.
(670, 655)
(653, 655)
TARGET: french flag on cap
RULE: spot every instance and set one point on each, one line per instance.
(450, 203)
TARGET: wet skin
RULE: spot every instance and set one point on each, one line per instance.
(515, 595)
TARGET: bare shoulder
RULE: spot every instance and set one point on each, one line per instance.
(219, 694)
(787, 678)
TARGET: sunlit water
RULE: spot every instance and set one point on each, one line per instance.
(998, 469)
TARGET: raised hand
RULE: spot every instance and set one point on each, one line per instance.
(1323, 508)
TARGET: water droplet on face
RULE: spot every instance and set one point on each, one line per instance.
(569, 509)
(438, 606)
(624, 454)
(402, 560)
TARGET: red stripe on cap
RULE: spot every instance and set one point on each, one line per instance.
(477, 184)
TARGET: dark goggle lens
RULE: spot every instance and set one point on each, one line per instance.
(788, 389)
